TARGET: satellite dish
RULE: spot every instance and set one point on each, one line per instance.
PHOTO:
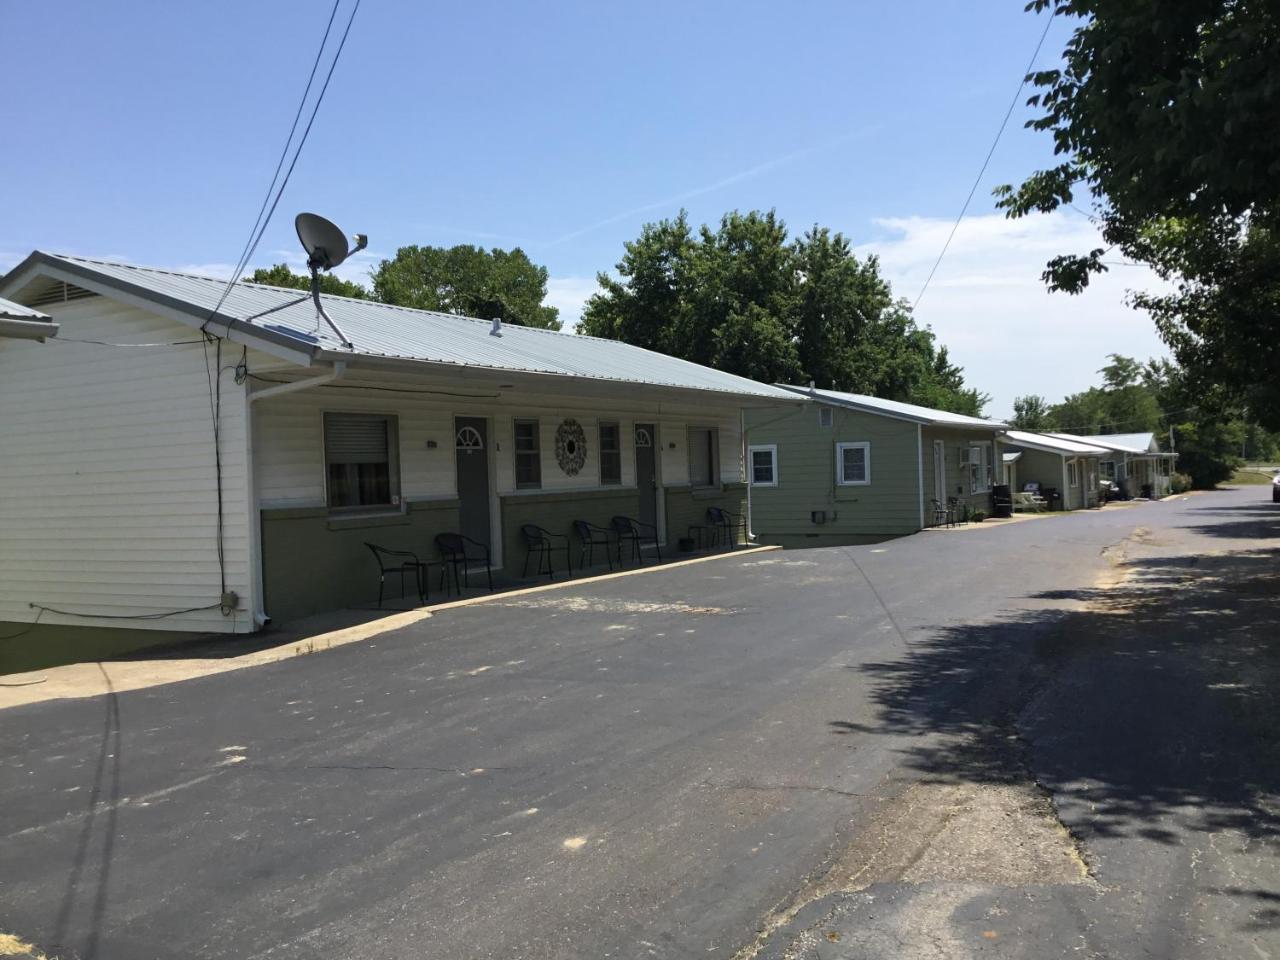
(325, 244)
(326, 247)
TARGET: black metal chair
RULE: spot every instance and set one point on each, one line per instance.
(942, 516)
(724, 524)
(455, 556)
(543, 541)
(634, 532)
(589, 537)
(959, 510)
(401, 562)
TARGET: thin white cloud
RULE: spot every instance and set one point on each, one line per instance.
(748, 174)
(988, 305)
(569, 295)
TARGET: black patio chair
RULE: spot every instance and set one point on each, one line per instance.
(636, 532)
(456, 555)
(542, 541)
(959, 510)
(401, 562)
(589, 537)
(942, 516)
(725, 523)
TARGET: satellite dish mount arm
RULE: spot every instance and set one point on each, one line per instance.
(315, 295)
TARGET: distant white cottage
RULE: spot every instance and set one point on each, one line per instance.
(156, 478)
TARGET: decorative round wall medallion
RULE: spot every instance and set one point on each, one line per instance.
(571, 446)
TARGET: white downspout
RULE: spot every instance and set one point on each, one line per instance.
(260, 617)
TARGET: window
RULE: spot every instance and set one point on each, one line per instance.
(764, 465)
(703, 456)
(610, 453)
(360, 459)
(528, 456)
(1073, 473)
(824, 416)
(853, 464)
(980, 469)
(1108, 468)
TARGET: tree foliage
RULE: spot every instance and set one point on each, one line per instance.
(281, 276)
(1165, 114)
(1030, 413)
(743, 298)
(467, 280)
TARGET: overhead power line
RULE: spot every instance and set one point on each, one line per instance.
(978, 179)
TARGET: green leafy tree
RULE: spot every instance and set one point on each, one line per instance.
(281, 276)
(1164, 115)
(467, 280)
(1030, 413)
(742, 298)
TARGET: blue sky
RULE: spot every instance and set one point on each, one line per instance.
(148, 132)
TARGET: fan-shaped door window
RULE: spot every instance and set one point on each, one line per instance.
(643, 437)
(469, 439)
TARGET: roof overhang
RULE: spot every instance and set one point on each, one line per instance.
(42, 265)
(481, 378)
(849, 404)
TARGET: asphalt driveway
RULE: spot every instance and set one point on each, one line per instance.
(649, 766)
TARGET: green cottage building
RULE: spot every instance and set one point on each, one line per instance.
(846, 468)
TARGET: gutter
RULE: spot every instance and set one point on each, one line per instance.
(337, 373)
(14, 329)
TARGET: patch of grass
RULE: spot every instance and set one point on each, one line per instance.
(11, 946)
(1250, 476)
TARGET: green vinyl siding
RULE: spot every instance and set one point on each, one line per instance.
(955, 444)
(888, 506)
(1046, 469)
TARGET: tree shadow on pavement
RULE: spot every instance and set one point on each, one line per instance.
(1150, 709)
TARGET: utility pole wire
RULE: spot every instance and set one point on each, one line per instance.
(978, 179)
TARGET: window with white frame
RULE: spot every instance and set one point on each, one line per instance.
(853, 464)
(361, 460)
(1073, 473)
(1108, 468)
(980, 468)
(704, 456)
(764, 465)
(825, 416)
(528, 454)
(610, 453)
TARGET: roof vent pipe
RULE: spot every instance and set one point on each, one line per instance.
(496, 329)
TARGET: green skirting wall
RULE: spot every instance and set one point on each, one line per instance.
(313, 562)
(686, 507)
(50, 645)
(556, 513)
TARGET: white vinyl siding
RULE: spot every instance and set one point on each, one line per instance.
(853, 464)
(108, 502)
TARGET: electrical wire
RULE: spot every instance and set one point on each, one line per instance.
(27, 629)
(978, 179)
(159, 615)
(246, 252)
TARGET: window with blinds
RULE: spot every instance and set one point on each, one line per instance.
(703, 447)
(361, 464)
(528, 456)
(610, 453)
